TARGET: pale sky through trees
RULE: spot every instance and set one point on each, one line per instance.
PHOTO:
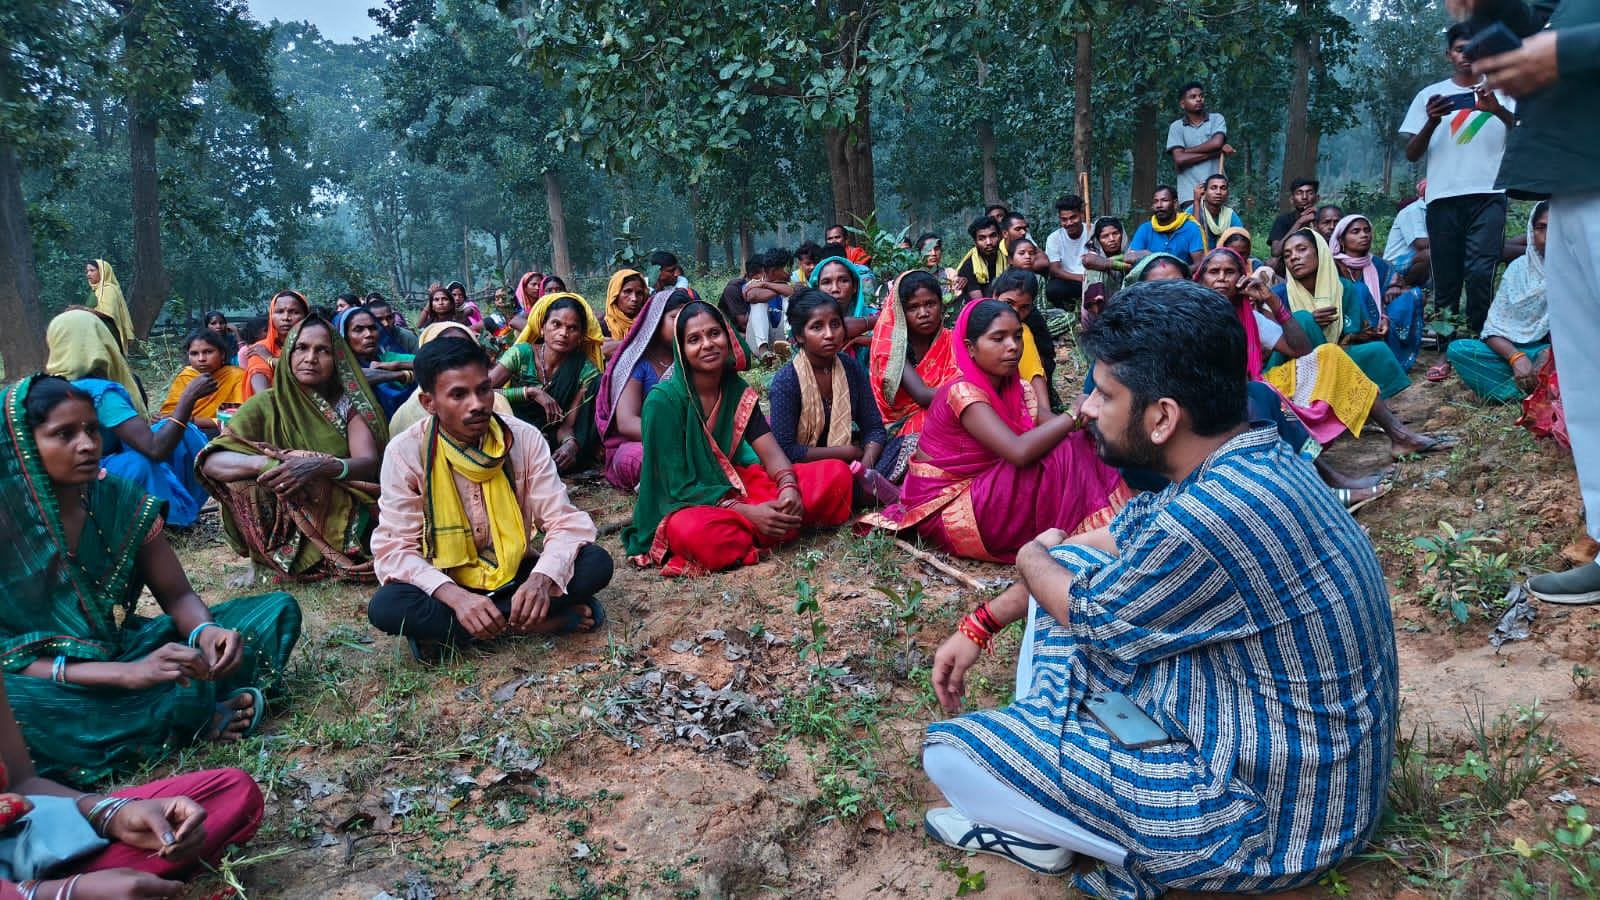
(338, 20)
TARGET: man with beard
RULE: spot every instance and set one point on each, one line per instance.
(984, 262)
(464, 492)
(1238, 620)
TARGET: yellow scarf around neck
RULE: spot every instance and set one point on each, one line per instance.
(1174, 225)
(447, 535)
(812, 413)
(1326, 292)
(980, 269)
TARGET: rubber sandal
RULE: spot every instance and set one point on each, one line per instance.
(431, 657)
(1439, 444)
(1351, 505)
(228, 711)
(1440, 372)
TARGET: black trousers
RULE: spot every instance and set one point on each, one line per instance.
(1466, 235)
(1063, 294)
(407, 610)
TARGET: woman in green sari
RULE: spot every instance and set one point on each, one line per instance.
(96, 687)
(296, 470)
(551, 375)
(716, 489)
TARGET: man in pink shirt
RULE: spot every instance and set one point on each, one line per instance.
(464, 494)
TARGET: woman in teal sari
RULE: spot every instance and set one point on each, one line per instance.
(97, 687)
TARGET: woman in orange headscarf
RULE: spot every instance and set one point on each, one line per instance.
(283, 314)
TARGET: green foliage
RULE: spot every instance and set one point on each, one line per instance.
(967, 880)
(1466, 575)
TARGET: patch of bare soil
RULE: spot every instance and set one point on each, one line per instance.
(691, 751)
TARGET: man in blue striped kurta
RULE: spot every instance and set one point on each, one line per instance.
(1241, 608)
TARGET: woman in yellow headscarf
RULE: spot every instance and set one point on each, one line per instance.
(625, 296)
(108, 298)
(551, 375)
(160, 457)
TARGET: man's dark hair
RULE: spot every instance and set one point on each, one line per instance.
(1010, 217)
(832, 250)
(1460, 31)
(1327, 206)
(1187, 86)
(1015, 280)
(663, 258)
(437, 357)
(1070, 203)
(350, 299)
(755, 264)
(981, 223)
(1214, 176)
(375, 297)
(777, 258)
(810, 250)
(923, 239)
(990, 211)
(1299, 183)
(1207, 380)
(1165, 187)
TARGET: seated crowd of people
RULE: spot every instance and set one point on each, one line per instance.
(1168, 511)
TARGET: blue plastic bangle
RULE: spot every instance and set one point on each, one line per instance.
(195, 634)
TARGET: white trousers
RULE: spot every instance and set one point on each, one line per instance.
(758, 328)
(985, 799)
(1572, 284)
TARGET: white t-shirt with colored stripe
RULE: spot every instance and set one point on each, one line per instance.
(1464, 153)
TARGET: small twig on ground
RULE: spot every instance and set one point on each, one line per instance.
(940, 565)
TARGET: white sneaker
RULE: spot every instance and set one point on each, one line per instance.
(946, 825)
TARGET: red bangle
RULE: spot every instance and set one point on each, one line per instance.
(986, 619)
(975, 633)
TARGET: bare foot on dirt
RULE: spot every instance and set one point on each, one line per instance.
(245, 580)
(1406, 442)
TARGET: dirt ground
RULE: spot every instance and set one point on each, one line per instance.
(689, 751)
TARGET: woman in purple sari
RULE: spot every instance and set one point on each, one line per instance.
(641, 360)
(994, 467)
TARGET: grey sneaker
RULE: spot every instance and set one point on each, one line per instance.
(946, 825)
(1573, 587)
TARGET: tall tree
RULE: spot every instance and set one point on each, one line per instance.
(36, 38)
(169, 47)
(678, 80)
(1320, 37)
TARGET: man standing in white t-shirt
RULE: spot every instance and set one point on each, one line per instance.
(1064, 249)
(1461, 129)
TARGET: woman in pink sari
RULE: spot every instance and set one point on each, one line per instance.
(994, 467)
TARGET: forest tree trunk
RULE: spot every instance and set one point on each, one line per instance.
(560, 258)
(1144, 164)
(1083, 82)
(850, 166)
(466, 256)
(1301, 136)
(991, 170)
(22, 348)
(747, 243)
(150, 281)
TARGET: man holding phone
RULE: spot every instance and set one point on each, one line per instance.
(1195, 675)
(1460, 128)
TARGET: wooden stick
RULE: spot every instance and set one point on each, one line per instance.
(1083, 191)
(940, 565)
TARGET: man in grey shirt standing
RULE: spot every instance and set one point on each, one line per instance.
(1197, 140)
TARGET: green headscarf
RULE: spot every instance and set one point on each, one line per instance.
(59, 603)
(1137, 273)
(293, 417)
(684, 455)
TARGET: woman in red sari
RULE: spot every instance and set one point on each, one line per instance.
(994, 467)
(716, 490)
(912, 357)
